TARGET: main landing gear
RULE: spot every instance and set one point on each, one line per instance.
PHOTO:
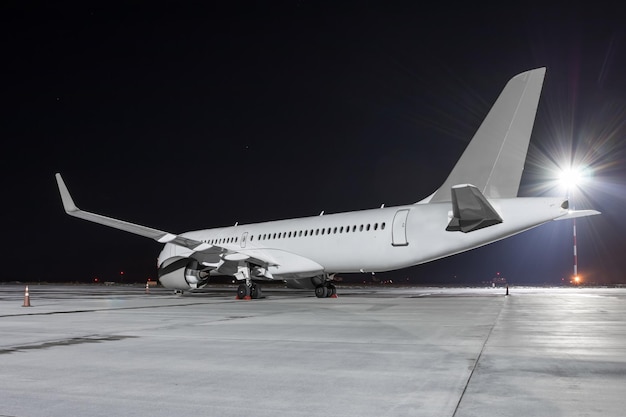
(326, 290)
(249, 291)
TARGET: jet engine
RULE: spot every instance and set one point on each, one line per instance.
(183, 274)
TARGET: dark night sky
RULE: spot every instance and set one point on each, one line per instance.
(188, 119)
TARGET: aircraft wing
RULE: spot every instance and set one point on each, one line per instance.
(280, 262)
(158, 235)
(207, 250)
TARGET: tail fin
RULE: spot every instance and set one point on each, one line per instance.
(494, 159)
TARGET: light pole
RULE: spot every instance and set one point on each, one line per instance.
(576, 277)
(571, 178)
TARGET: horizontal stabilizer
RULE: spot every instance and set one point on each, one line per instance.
(470, 210)
(572, 214)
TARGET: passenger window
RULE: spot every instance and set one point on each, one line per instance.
(361, 228)
(382, 226)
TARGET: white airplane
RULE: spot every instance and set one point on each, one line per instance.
(476, 205)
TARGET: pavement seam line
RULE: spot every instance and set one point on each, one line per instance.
(480, 354)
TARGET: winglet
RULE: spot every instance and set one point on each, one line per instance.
(68, 203)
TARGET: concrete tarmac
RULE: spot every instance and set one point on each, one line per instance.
(103, 351)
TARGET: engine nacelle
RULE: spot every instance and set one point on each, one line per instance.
(182, 274)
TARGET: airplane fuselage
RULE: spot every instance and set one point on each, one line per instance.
(372, 240)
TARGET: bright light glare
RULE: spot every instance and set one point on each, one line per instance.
(573, 177)
(569, 177)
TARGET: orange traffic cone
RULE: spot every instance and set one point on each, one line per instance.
(147, 288)
(26, 298)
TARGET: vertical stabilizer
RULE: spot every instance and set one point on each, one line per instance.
(494, 159)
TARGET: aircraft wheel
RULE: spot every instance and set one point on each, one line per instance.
(321, 291)
(332, 290)
(243, 291)
(255, 291)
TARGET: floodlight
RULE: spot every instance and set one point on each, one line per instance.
(573, 177)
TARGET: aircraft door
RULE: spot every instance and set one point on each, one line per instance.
(398, 231)
(244, 238)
